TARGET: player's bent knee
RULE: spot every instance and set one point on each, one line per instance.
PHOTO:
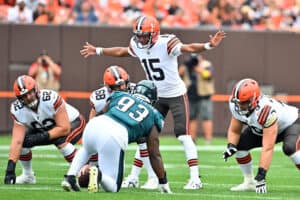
(288, 148)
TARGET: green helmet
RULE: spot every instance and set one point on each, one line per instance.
(146, 90)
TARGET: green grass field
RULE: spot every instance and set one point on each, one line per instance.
(283, 178)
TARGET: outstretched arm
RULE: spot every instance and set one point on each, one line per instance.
(90, 50)
(199, 47)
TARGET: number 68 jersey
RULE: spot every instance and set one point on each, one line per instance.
(98, 98)
(49, 103)
(267, 112)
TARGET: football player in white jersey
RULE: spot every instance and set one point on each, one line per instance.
(268, 121)
(158, 56)
(113, 79)
(41, 117)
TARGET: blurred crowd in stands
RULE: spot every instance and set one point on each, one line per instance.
(235, 14)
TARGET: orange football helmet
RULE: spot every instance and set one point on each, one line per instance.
(23, 86)
(115, 76)
(245, 96)
(146, 30)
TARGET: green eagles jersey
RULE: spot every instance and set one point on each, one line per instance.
(137, 116)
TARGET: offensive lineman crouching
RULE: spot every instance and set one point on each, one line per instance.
(268, 122)
(41, 117)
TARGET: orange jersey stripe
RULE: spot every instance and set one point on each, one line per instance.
(57, 103)
(264, 115)
(187, 114)
(172, 43)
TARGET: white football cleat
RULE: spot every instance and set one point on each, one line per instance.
(193, 184)
(130, 182)
(247, 185)
(26, 179)
(151, 184)
(95, 178)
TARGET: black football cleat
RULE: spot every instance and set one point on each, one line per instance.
(69, 184)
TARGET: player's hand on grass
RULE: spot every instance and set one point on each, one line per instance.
(164, 188)
(10, 175)
(260, 178)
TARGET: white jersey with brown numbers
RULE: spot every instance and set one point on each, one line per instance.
(49, 103)
(160, 64)
(98, 98)
(267, 112)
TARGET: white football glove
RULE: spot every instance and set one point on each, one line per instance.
(261, 187)
(260, 178)
(164, 188)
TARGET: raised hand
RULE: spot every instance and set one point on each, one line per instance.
(217, 38)
(88, 50)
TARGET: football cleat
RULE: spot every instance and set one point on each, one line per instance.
(151, 184)
(26, 179)
(69, 184)
(95, 178)
(247, 185)
(130, 182)
(193, 184)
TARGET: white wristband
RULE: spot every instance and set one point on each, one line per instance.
(99, 51)
(207, 46)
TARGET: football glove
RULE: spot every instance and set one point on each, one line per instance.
(261, 185)
(231, 149)
(10, 175)
(164, 188)
(36, 139)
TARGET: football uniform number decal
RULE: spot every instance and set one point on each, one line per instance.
(46, 125)
(157, 73)
(140, 113)
(18, 106)
(46, 96)
(100, 94)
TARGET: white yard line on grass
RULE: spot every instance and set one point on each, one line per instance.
(161, 147)
(223, 196)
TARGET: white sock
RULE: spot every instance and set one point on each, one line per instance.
(25, 160)
(137, 164)
(296, 159)
(245, 161)
(68, 152)
(190, 154)
(145, 158)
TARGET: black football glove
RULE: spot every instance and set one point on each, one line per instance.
(32, 140)
(231, 149)
(10, 175)
(261, 185)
